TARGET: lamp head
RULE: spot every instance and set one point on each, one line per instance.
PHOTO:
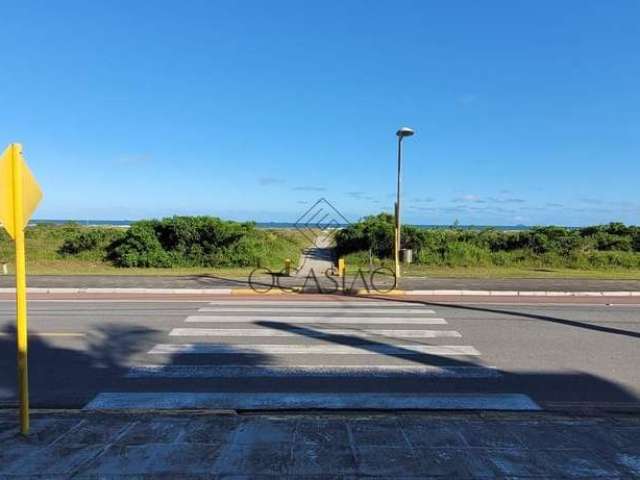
(405, 132)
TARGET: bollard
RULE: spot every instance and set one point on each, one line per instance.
(341, 267)
(287, 267)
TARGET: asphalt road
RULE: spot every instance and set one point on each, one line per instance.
(408, 283)
(265, 354)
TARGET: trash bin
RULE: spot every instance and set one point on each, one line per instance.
(406, 255)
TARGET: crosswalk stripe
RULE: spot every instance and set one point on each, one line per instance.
(361, 349)
(288, 401)
(337, 371)
(316, 310)
(318, 304)
(319, 332)
(393, 322)
(315, 319)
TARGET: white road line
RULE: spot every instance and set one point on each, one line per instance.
(319, 332)
(338, 371)
(523, 303)
(294, 400)
(319, 303)
(46, 334)
(315, 319)
(316, 310)
(362, 349)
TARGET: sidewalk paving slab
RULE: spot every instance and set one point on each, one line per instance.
(79, 445)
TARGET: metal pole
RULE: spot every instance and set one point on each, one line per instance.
(21, 292)
(397, 239)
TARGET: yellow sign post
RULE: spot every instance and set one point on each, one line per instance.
(19, 196)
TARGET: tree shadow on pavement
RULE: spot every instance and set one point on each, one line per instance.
(69, 371)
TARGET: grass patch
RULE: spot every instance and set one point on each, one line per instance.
(355, 261)
(601, 251)
(208, 247)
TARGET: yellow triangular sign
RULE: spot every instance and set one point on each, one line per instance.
(11, 163)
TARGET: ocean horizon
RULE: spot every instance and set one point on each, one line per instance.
(264, 225)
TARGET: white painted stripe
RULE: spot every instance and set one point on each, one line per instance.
(46, 334)
(316, 310)
(318, 332)
(341, 371)
(317, 303)
(153, 301)
(292, 400)
(361, 349)
(434, 292)
(229, 291)
(132, 290)
(316, 319)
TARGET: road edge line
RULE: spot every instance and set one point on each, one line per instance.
(359, 292)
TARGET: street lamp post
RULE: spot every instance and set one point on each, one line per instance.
(401, 133)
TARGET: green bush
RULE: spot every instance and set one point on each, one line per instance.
(461, 254)
(601, 246)
(171, 242)
(87, 240)
(140, 247)
(502, 259)
(201, 242)
(605, 260)
(373, 233)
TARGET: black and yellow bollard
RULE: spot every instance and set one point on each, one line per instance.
(341, 267)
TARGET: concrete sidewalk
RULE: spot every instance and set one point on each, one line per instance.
(318, 258)
(76, 444)
(406, 283)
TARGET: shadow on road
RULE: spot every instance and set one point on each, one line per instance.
(369, 345)
(535, 316)
(69, 373)
(543, 386)
(71, 368)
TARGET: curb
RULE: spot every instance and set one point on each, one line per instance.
(519, 293)
(397, 292)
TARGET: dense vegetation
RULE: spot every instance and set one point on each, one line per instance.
(170, 242)
(612, 246)
(199, 242)
(188, 243)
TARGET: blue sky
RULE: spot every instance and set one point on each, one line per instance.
(526, 112)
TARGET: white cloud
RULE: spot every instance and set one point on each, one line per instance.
(469, 198)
